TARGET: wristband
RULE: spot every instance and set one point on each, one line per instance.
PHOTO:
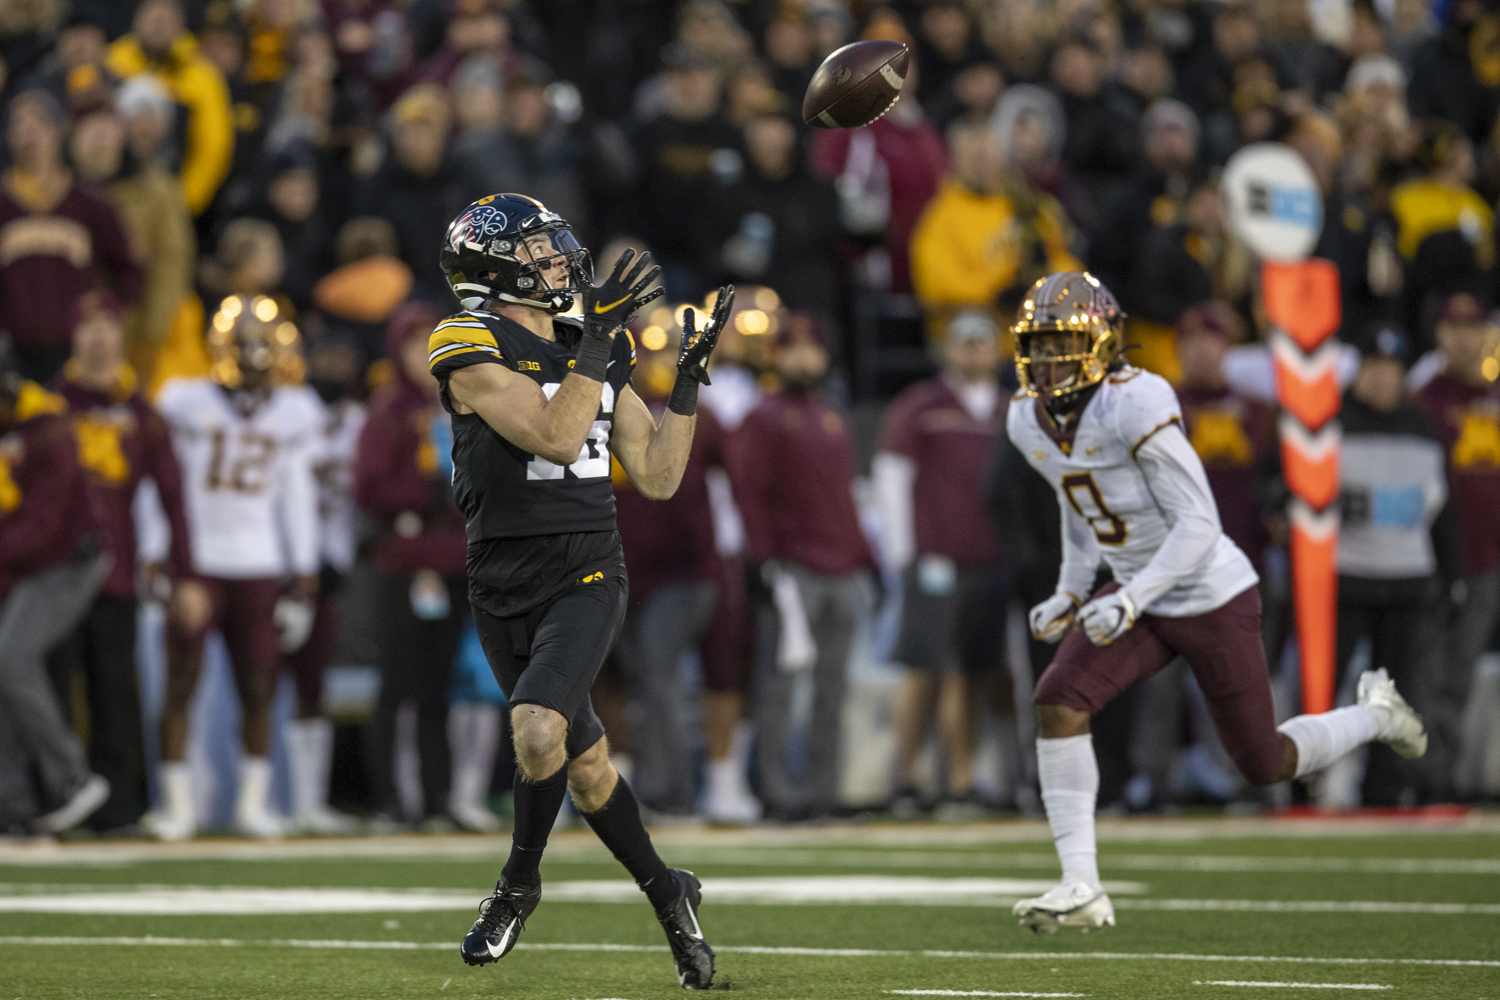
(684, 399)
(593, 354)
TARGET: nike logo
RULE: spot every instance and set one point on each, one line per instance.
(496, 950)
(697, 931)
(1091, 451)
(610, 363)
(600, 309)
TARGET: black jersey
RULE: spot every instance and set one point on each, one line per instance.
(532, 525)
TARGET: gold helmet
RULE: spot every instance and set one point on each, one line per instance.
(250, 334)
(1068, 302)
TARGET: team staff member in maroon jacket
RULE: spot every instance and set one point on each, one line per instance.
(50, 568)
(1464, 405)
(792, 466)
(121, 440)
(934, 448)
(399, 481)
(55, 239)
(1233, 435)
(673, 567)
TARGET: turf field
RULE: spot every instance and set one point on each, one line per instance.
(1217, 908)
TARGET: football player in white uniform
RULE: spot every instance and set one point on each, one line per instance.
(1132, 492)
(245, 438)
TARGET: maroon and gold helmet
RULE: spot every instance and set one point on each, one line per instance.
(1068, 302)
(249, 333)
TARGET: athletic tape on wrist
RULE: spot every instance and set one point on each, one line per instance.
(593, 352)
(684, 400)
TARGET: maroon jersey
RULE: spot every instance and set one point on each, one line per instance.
(1468, 422)
(1234, 436)
(121, 440)
(49, 259)
(42, 524)
(951, 450)
(792, 466)
(672, 541)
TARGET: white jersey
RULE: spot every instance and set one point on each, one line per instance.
(252, 501)
(333, 464)
(1133, 492)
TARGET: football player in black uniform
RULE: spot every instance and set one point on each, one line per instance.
(539, 404)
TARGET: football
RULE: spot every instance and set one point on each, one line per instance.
(856, 85)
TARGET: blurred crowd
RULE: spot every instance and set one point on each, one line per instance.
(852, 500)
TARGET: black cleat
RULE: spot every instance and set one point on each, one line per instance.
(694, 958)
(502, 917)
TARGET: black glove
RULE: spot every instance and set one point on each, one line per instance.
(609, 306)
(697, 346)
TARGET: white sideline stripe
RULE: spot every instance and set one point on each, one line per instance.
(1297, 986)
(976, 993)
(1016, 956)
(159, 900)
(1309, 906)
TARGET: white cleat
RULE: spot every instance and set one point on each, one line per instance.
(163, 826)
(259, 824)
(325, 822)
(475, 819)
(1401, 728)
(1069, 904)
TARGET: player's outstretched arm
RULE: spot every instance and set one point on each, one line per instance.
(1174, 475)
(517, 409)
(654, 454)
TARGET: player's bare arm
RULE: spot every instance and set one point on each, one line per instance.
(655, 453)
(515, 407)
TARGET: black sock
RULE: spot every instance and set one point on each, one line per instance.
(536, 806)
(618, 824)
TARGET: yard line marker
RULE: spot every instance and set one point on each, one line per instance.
(1296, 986)
(1020, 956)
(977, 993)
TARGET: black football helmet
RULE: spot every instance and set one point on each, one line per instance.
(1068, 302)
(511, 248)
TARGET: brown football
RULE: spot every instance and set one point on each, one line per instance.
(856, 85)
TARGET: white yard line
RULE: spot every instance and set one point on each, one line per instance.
(976, 993)
(1309, 906)
(1015, 956)
(1295, 986)
(1145, 830)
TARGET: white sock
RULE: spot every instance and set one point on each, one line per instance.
(310, 746)
(1069, 776)
(177, 792)
(1323, 739)
(255, 787)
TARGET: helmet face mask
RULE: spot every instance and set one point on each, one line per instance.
(510, 248)
(1069, 335)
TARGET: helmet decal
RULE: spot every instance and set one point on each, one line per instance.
(480, 255)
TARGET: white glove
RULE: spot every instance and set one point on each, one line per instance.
(1052, 618)
(1107, 618)
(294, 622)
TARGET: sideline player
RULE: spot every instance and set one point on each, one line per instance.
(539, 404)
(1132, 491)
(244, 438)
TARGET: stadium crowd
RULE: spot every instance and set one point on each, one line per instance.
(852, 494)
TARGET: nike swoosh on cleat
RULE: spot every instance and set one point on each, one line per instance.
(497, 950)
(601, 309)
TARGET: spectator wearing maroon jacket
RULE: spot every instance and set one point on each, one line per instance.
(121, 440)
(930, 465)
(669, 553)
(401, 480)
(55, 238)
(887, 173)
(1464, 405)
(50, 569)
(1234, 435)
(792, 466)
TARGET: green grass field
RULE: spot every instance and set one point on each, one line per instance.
(1206, 909)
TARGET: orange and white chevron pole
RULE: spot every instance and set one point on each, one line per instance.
(1302, 300)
